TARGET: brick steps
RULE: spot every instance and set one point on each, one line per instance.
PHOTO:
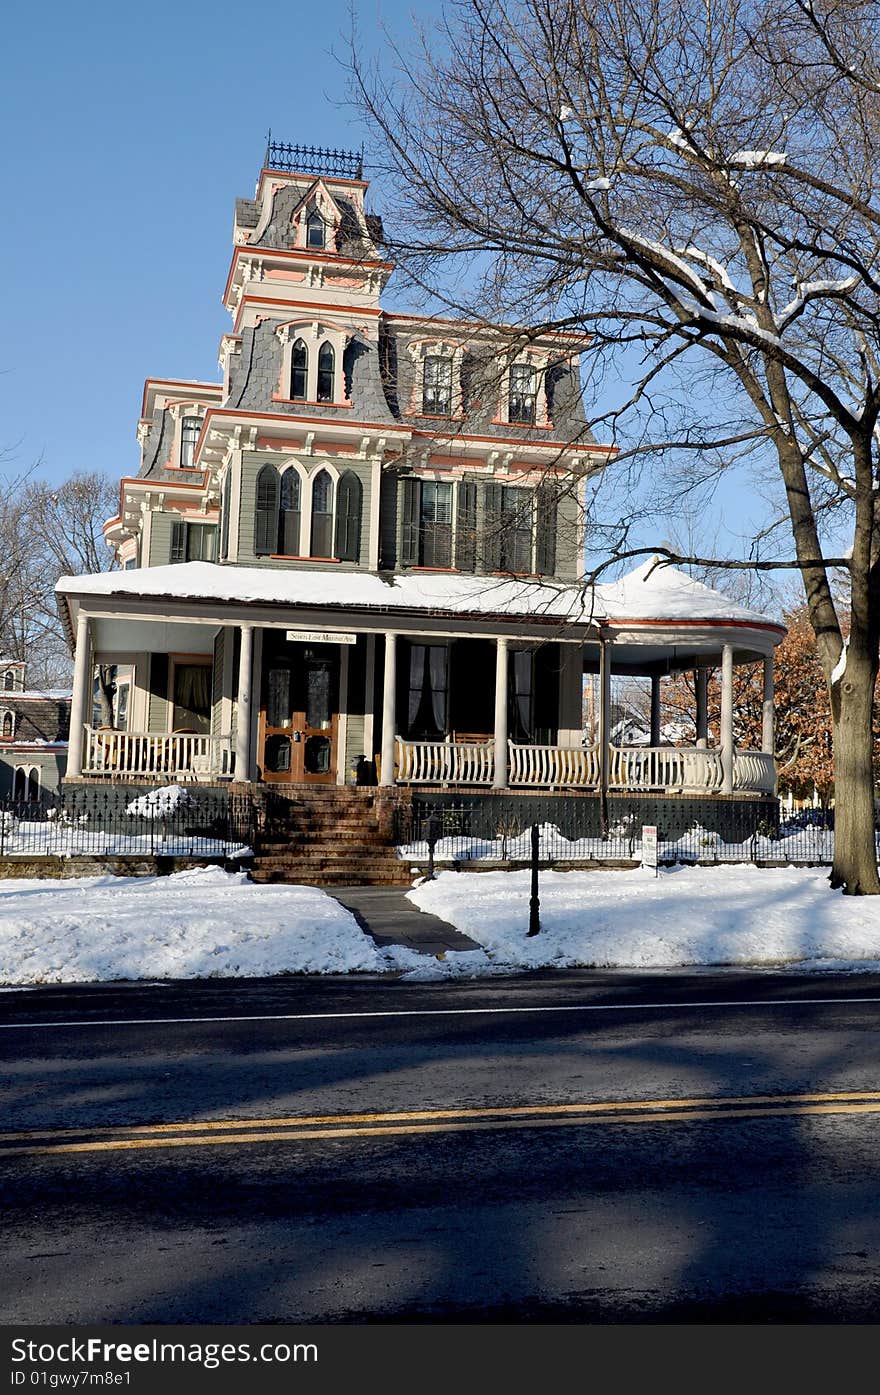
(328, 837)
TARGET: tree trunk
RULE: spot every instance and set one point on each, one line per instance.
(855, 858)
(106, 694)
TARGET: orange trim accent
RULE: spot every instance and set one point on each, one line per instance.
(307, 402)
(524, 445)
(266, 173)
(324, 310)
(382, 427)
(176, 382)
(392, 315)
(242, 249)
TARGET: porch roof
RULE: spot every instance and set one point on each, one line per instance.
(643, 601)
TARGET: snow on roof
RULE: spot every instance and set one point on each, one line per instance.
(657, 591)
(650, 592)
(429, 591)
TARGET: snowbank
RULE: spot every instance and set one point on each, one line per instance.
(632, 919)
(204, 923)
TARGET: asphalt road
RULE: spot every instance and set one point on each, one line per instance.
(554, 1147)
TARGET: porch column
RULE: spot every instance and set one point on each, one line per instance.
(81, 696)
(604, 715)
(727, 719)
(655, 709)
(701, 685)
(500, 780)
(243, 713)
(389, 694)
(768, 735)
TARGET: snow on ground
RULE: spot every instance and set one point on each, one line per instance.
(685, 916)
(201, 923)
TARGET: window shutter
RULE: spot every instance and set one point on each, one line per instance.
(411, 504)
(545, 549)
(224, 525)
(178, 541)
(349, 507)
(466, 527)
(492, 527)
(266, 512)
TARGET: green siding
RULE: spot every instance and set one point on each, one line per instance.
(161, 526)
(569, 559)
(354, 742)
(157, 712)
(251, 464)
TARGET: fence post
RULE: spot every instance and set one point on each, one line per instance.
(534, 899)
(432, 830)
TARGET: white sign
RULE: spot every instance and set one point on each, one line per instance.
(320, 637)
(649, 845)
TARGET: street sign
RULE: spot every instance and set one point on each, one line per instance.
(649, 845)
(320, 637)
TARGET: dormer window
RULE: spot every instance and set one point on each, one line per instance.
(8, 730)
(8, 681)
(326, 372)
(437, 386)
(299, 372)
(522, 394)
(316, 229)
(190, 429)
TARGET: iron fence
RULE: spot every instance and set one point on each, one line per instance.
(313, 159)
(469, 833)
(158, 822)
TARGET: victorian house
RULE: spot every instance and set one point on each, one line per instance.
(356, 559)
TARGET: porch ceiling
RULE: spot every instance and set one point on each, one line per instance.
(117, 635)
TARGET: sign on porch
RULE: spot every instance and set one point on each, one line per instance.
(319, 637)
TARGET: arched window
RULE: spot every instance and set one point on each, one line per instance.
(349, 507)
(289, 514)
(19, 785)
(266, 512)
(8, 681)
(316, 230)
(299, 372)
(322, 515)
(33, 784)
(326, 372)
(190, 428)
(8, 727)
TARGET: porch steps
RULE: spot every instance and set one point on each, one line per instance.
(328, 837)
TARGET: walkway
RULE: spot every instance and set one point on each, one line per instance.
(385, 914)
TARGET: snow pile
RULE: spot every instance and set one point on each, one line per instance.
(684, 916)
(204, 923)
(161, 803)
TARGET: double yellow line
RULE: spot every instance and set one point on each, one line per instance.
(213, 1133)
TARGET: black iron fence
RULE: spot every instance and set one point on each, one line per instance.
(313, 159)
(173, 821)
(463, 832)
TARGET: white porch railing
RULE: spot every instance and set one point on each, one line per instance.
(671, 769)
(754, 770)
(445, 762)
(178, 754)
(554, 765)
(639, 769)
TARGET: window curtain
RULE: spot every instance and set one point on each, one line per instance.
(193, 685)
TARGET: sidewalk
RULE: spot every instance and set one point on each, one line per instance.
(385, 914)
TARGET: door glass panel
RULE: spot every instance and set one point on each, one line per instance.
(277, 757)
(278, 712)
(316, 757)
(318, 695)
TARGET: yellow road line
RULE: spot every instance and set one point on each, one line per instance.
(427, 1115)
(475, 1121)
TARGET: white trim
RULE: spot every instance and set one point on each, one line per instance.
(342, 723)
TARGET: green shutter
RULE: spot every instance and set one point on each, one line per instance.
(349, 508)
(492, 527)
(411, 507)
(266, 512)
(466, 527)
(545, 550)
(178, 541)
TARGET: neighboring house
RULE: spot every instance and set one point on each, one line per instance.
(358, 557)
(34, 727)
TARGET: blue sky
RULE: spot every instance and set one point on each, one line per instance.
(128, 132)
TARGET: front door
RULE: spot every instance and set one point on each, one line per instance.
(299, 716)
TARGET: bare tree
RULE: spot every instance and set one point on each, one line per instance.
(694, 183)
(60, 527)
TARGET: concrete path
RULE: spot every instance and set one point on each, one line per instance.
(385, 913)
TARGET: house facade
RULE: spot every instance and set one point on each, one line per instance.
(357, 559)
(34, 725)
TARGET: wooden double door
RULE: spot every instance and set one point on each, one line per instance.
(299, 714)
